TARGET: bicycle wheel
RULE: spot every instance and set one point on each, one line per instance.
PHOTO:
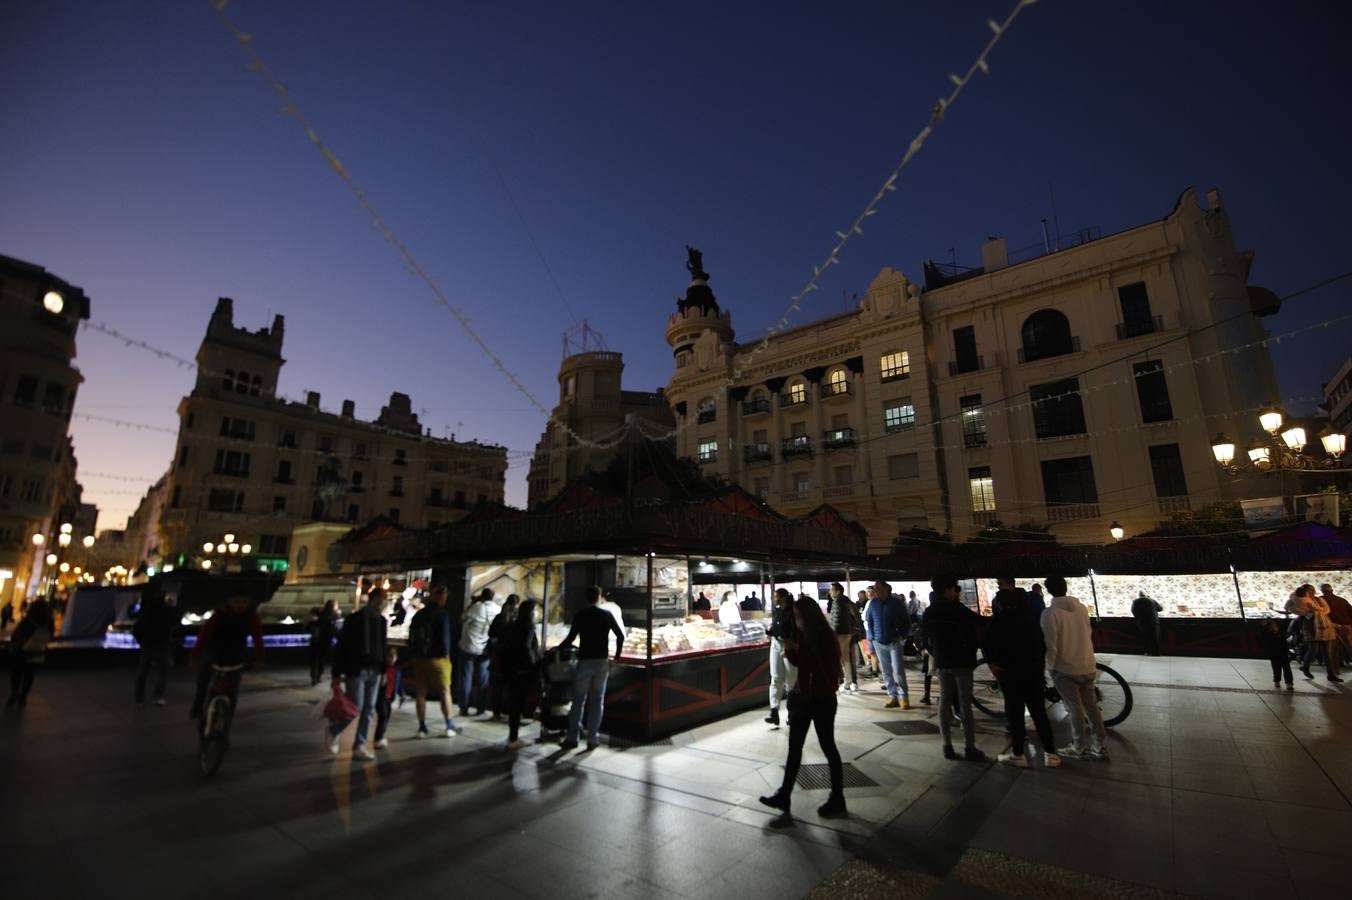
(986, 694)
(1114, 695)
(215, 735)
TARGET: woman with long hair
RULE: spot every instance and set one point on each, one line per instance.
(28, 650)
(519, 646)
(497, 672)
(815, 651)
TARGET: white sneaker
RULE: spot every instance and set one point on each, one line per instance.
(1010, 758)
(853, 687)
(363, 752)
(331, 741)
(1097, 753)
(422, 732)
(382, 743)
(450, 733)
(1072, 753)
(1050, 760)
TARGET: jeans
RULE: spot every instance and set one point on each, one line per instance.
(893, 668)
(847, 670)
(473, 674)
(589, 685)
(364, 690)
(1026, 689)
(782, 673)
(956, 684)
(384, 707)
(820, 713)
(1081, 700)
(152, 655)
(1281, 667)
(1150, 636)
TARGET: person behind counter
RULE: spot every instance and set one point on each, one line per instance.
(729, 611)
(701, 604)
(594, 626)
(753, 603)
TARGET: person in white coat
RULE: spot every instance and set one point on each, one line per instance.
(1070, 657)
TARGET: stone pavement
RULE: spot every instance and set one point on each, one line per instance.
(1218, 786)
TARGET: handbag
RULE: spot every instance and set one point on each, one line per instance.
(340, 709)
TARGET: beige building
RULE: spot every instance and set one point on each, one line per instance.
(39, 315)
(1078, 388)
(250, 464)
(594, 406)
(1338, 397)
(833, 412)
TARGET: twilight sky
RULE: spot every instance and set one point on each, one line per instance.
(142, 161)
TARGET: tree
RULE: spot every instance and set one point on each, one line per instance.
(921, 537)
(1225, 517)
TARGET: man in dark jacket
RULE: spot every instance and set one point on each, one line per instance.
(223, 641)
(887, 623)
(430, 641)
(949, 630)
(1016, 653)
(1146, 612)
(360, 661)
(156, 630)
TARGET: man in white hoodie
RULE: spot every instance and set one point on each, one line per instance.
(1070, 657)
(474, 624)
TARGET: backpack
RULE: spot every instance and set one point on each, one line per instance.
(420, 637)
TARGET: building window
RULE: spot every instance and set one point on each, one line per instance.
(26, 391)
(232, 462)
(274, 545)
(965, 358)
(837, 383)
(288, 439)
(6, 485)
(683, 359)
(40, 451)
(398, 489)
(1069, 481)
(570, 386)
(1166, 464)
(899, 416)
(353, 512)
(401, 457)
(1046, 333)
(225, 500)
(903, 465)
(242, 382)
(973, 421)
(894, 365)
(763, 488)
(1153, 391)
(797, 392)
(173, 501)
(279, 504)
(11, 447)
(183, 455)
(30, 490)
(228, 381)
(460, 499)
(284, 471)
(192, 419)
(707, 411)
(54, 399)
(394, 514)
(1136, 317)
(708, 450)
(801, 484)
(982, 486)
(1057, 410)
(325, 443)
(440, 466)
(242, 429)
(844, 475)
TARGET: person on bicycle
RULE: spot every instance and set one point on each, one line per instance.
(221, 642)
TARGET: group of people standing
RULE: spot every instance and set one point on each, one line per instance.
(1323, 622)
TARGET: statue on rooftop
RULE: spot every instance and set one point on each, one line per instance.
(695, 264)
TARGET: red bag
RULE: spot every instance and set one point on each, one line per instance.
(340, 709)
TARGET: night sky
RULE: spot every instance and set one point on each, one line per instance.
(143, 162)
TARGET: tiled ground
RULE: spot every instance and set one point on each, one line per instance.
(1218, 786)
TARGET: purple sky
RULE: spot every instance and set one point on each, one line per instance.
(143, 162)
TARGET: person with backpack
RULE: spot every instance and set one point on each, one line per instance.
(156, 631)
(360, 662)
(887, 625)
(429, 640)
(28, 650)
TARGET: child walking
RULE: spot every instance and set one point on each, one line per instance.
(1273, 640)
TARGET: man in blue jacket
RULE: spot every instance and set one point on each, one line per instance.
(887, 624)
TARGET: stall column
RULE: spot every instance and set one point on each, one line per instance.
(544, 609)
(648, 673)
(1235, 575)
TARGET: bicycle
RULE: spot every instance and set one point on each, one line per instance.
(1112, 690)
(217, 714)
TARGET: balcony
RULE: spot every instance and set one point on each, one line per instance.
(705, 416)
(1139, 327)
(833, 390)
(791, 399)
(400, 461)
(396, 492)
(838, 491)
(231, 473)
(1170, 506)
(982, 518)
(839, 438)
(281, 479)
(974, 440)
(760, 452)
(757, 407)
(966, 364)
(1026, 355)
(794, 496)
(1071, 512)
(708, 457)
(438, 501)
(797, 445)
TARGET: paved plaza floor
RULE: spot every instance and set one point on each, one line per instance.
(1218, 786)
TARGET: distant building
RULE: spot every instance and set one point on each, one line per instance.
(1338, 397)
(593, 404)
(255, 466)
(1073, 386)
(39, 316)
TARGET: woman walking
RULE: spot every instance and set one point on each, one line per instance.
(28, 650)
(812, 702)
(520, 651)
(497, 670)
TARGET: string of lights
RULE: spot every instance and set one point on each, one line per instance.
(856, 228)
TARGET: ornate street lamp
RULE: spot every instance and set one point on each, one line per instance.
(1284, 450)
(1117, 531)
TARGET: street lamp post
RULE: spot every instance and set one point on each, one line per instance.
(1284, 449)
(223, 551)
(56, 566)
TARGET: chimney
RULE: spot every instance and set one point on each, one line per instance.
(993, 254)
(349, 409)
(312, 400)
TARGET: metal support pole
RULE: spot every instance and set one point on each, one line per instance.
(1235, 575)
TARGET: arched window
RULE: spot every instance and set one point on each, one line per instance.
(707, 410)
(837, 383)
(242, 382)
(228, 382)
(1047, 333)
(256, 385)
(797, 393)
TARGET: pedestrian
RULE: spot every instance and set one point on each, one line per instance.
(6, 616)
(781, 631)
(28, 650)
(156, 631)
(389, 689)
(322, 631)
(701, 604)
(1272, 638)
(593, 626)
(729, 610)
(887, 625)
(926, 658)
(1016, 653)
(1146, 612)
(1070, 657)
(753, 603)
(1320, 635)
(398, 612)
(474, 624)
(617, 614)
(867, 654)
(429, 640)
(360, 662)
(521, 665)
(838, 611)
(1340, 614)
(814, 650)
(949, 630)
(497, 672)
